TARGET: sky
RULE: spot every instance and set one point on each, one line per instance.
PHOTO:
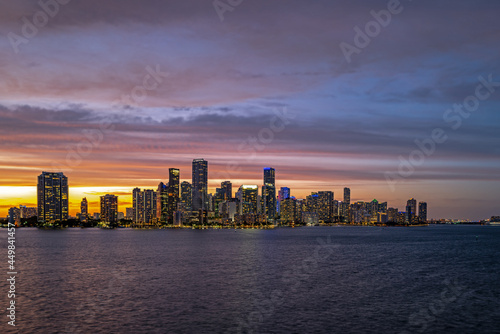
(113, 93)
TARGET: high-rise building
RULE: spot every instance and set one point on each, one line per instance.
(14, 215)
(392, 215)
(199, 184)
(173, 193)
(422, 212)
(84, 209)
(186, 195)
(52, 195)
(144, 205)
(411, 211)
(289, 210)
(283, 194)
(346, 205)
(227, 190)
(137, 205)
(129, 213)
(347, 196)
(269, 176)
(249, 198)
(324, 206)
(109, 209)
(269, 193)
(162, 203)
(27, 212)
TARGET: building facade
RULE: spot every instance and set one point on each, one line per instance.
(52, 197)
(199, 184)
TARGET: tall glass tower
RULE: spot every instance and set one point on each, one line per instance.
(52, 195)
(200, 184)
(269, 193)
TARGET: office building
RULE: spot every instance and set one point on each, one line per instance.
(14, 215)
(283, 194)
(162, 203)
(422, 212)
(227, 190)
(289, 210)
(199, 184)
(248, 199)
(173, 193)
(186, 195)
(324, 201)
(109, 209)
(144, 208)
(52, 197)
(268, 203)
(411, 211)
(84, 209)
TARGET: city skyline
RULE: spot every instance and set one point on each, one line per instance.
(112, 114)
(152, 195)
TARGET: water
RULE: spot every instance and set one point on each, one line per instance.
(436, 279)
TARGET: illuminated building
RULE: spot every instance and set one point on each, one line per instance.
(186, 195)
(144, 203)
(289, 210)
(199, 184)
(324, 206)
(52, 196)
(161, 203)
(129, 213)
(347, 196)
(269, 193)
(109, 209)
(14, 215)
(283, 194)
(248, 199)
(392, 215)
(84, 209)
(411, 211)
(422, 212)
(227, 190)
(27, 212)
(173, 193)
(347, 204)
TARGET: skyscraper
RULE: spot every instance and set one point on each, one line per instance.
(289, 210)
(199, 184)
(269, 193)
(324, 206)
(422, 212)
(283, 194)
(173, 193)
(346, 205)
(269, 176)
(347, 196)
(162, 202)
(109, 209)
(84, 209)
(249, 198)
(52, 196)
(227, 190)
(411, 210)
(186, 195)
(149, 201)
